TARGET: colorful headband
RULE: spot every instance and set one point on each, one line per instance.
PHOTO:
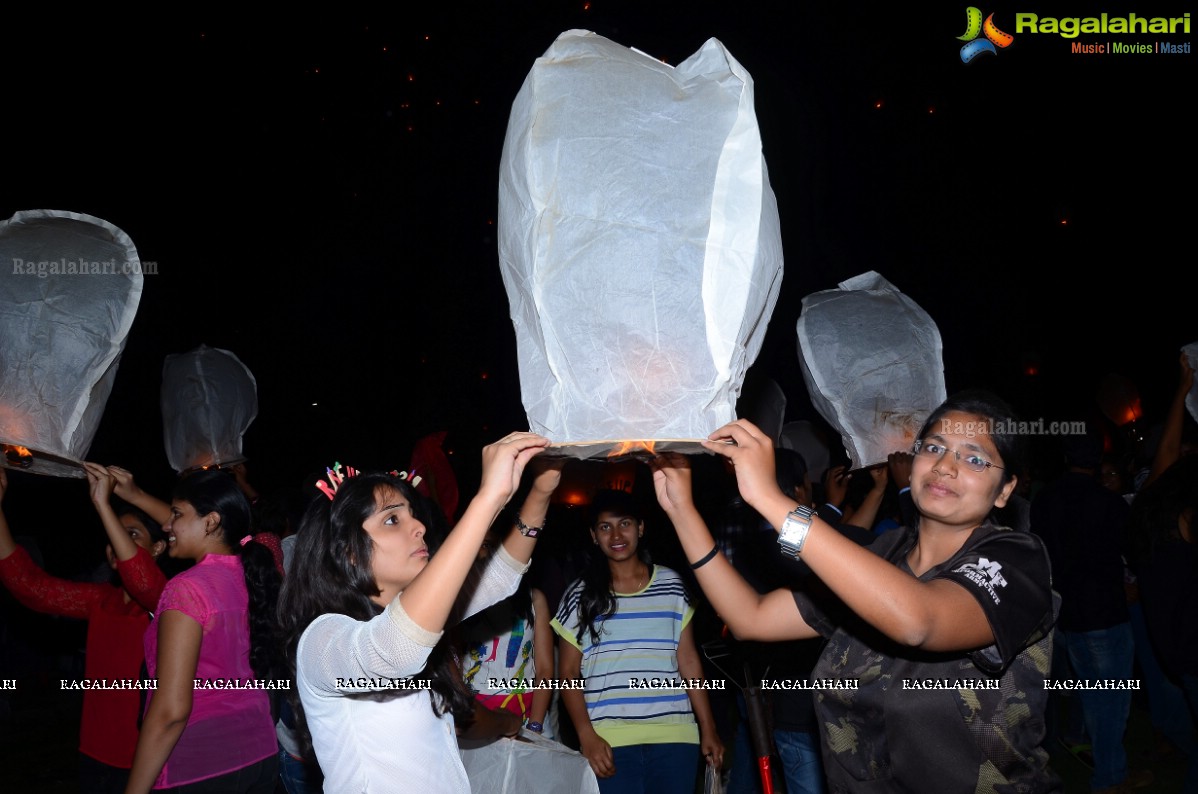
(336, 476)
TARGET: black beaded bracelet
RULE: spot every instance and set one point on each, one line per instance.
(526, 530)
(706, 559)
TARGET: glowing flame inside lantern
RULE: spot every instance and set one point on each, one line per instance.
(628, 447)
(18, 457)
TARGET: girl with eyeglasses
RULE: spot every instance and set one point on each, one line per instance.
(939, 643)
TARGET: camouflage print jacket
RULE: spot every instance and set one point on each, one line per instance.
(969, 722)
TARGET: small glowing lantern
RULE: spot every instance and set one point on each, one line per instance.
(209, 399)
(873, 363)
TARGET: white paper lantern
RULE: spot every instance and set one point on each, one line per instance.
(639, 242)
(69, 289)
(209, 400)
(1191, 353)
(873, 363)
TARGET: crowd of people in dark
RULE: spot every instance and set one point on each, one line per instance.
(936, 622)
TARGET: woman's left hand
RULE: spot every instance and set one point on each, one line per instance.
(548, 474)
(712, 749)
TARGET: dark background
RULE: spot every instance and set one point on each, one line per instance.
(318, 193)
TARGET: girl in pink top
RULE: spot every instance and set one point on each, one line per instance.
(207, 726)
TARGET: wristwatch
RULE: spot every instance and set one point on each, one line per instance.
(794, 530)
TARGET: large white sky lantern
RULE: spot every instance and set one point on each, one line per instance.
(873, 363)
(69, 289)
(209, 400)
(639, 242)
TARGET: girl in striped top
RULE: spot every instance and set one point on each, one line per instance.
(624, 628)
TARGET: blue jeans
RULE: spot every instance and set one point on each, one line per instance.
(297, 776)
(1166, 701)
(743, 777)
(1190, 687)
(1104, 654)
(801, 762)
(653, 769)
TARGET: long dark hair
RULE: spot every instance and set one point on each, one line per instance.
(332, 574)
(215, 491)
(597, 602)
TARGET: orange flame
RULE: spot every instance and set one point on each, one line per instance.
(627, 447)
(18, 456)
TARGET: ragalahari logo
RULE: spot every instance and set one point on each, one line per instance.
(975, 27)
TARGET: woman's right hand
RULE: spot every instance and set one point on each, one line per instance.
(101, 483)
(598, 752)
(124, 487)
(752, 457)
(504, 462)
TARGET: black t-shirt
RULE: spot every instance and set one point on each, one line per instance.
(946, 722)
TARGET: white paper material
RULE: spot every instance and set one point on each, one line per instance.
(801, 436)
(873, 363)
(639, 240)
(209, 400)
(70, 285)
(1191, 351)
(509, 766)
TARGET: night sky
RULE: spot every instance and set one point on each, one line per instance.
(319, 195)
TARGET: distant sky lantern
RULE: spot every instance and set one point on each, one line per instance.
(1119, 399)
(639, 243)
(1191, 353)
(70, 285)
(209, 399)
(873, 363)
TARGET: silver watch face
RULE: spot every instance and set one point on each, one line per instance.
(794, 528)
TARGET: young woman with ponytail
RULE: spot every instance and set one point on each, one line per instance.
(214, 625)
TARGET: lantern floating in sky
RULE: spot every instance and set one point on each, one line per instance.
(1119, 399)
(70, 285)
(209, 399)
(639, 244)
(873, 363)
(1191, 352)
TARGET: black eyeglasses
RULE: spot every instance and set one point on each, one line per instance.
(971, 461)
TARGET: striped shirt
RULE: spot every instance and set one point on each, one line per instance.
(637, 651)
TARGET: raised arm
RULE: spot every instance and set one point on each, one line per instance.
(938, 615)
(542, 654)
(749, 614)
(7, 544)
(520, 543)
(1169, 448)
(132, 493)
(431, 595)
(101, 484)
(867, 513)
(33, 587)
